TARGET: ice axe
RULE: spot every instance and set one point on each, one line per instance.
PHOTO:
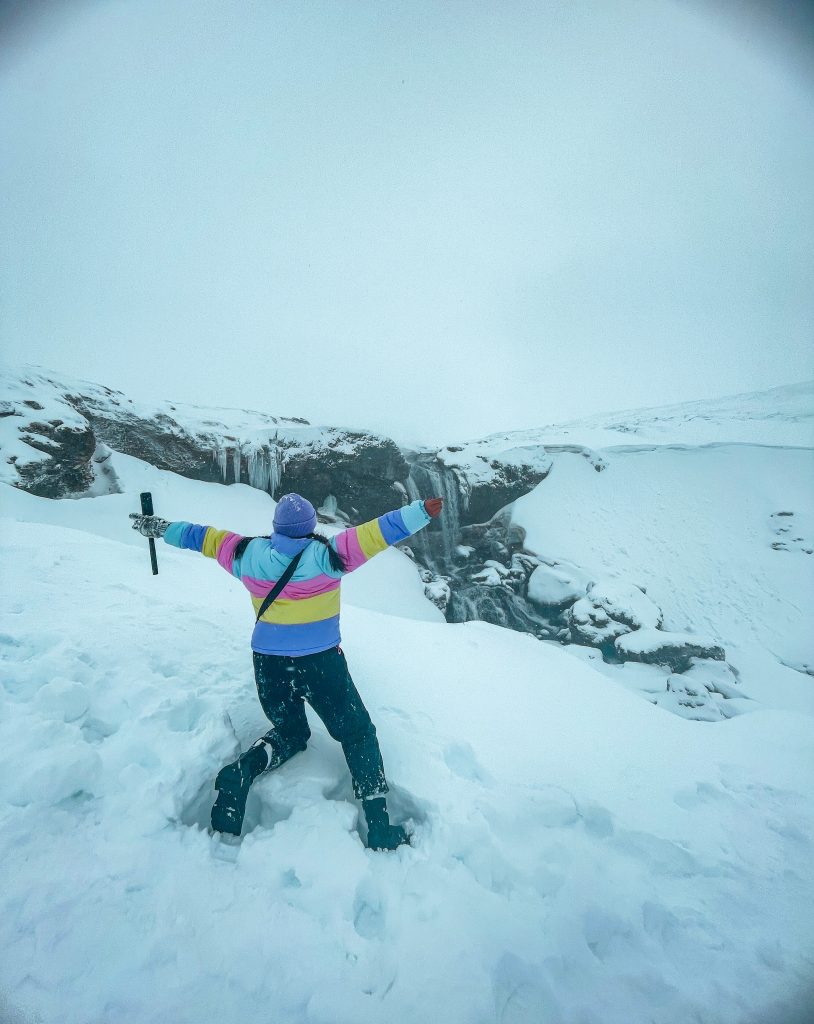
(147, 510)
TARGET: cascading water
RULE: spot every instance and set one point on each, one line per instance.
(429, 479)
(454, 551)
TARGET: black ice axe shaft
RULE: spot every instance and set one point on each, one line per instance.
(147, 510)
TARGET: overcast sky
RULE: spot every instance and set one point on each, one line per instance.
(434, 219)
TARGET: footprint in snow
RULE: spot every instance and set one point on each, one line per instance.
(662, 856)
(704, 793)
(461, 760)
(521, 993)
(369, 912)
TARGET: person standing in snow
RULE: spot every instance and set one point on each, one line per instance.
(296, 644)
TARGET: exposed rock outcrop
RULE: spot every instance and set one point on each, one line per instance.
(50, 446)
(658, 647)
(66, 469)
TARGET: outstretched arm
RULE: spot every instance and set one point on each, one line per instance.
(218, 544)
(360, 543)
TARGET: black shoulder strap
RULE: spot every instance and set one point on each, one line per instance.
(274, 593)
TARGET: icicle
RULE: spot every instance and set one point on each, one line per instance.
(220, 455)
(275, 468)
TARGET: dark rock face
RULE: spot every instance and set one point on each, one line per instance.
(161, 441)
(364, 473)
(361, 471)
(510, 483)
(468, 506)
(358, 470)
(68, 469)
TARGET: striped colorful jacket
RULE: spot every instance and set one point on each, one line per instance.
(304, 619)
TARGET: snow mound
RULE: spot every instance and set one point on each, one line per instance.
(610, 609)
(555, 586)
(708, 691)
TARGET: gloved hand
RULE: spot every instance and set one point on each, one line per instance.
(433, 506)
(149, 526)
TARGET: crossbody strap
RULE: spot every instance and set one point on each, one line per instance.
(274, 593)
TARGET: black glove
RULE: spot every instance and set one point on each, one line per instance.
(149, 526)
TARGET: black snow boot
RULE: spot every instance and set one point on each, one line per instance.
(233, 784)
(381, 835)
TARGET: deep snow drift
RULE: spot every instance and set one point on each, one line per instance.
(581, 856)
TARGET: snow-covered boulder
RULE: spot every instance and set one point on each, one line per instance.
(438, 591)
(610, 609)
(717, 677)
(657, 647)
(689, 700)
(707, 692)
(488, 577)
(556, 586)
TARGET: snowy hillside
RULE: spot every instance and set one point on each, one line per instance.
(580, 855)
(720, 538)
(781, 416)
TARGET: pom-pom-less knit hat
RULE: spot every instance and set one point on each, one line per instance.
(294, 516)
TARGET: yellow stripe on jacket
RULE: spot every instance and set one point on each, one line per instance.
(290, 611)
(371, 539)
(212, 541)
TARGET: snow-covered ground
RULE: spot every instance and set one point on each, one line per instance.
(581, 856)
(719, 536)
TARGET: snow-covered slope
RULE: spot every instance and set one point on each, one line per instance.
(580, 856)
(720, 537)
(781, 416)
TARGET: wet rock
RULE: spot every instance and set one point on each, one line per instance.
(499, 605)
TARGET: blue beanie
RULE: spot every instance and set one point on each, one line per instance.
(294, 516)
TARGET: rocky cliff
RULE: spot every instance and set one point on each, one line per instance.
(56, 438)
